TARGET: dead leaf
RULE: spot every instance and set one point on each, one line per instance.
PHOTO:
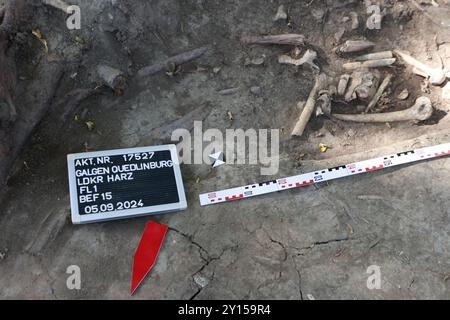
(38, 34)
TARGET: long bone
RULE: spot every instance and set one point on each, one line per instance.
(436, 76)
(420, 111)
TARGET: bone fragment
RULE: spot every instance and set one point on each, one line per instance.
(375, 56)
(436, 76)
(281, 14)
(320, 83)
(363, 85)
(369, 64)
(308, 58)
(356, 46)
(386, 82)
(343, 83)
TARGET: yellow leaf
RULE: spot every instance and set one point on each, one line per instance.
(323, 148)
(78, 40)
(90, 125)
(37, 33)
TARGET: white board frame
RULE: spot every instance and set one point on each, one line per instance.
(127, 213)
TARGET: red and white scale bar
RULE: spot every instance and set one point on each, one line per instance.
(328, 174)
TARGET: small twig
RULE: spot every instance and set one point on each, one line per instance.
(177, 60)
(375, 56)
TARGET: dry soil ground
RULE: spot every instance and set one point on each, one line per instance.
(315, 242)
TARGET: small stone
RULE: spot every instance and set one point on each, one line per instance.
(170, 95)
(256, 90)
(281, 14)
(310, 296)
(403, 95)
(255, 61)
(216, 70)
(201, 281)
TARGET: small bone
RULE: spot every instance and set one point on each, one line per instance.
(321, 82)
(281, 14)
(289, 39)
(343, 83)
(379, 92)
(375, 56)
(308, 58)
(356, 45)
(323, 104)
(363, 85)
(420, 111)
(369, 64)
(436, 76)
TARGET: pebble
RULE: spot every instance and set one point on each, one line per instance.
(3, 254)
(200, 281)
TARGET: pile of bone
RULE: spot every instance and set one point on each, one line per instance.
(365, 84)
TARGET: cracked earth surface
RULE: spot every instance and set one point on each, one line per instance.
(315, 242)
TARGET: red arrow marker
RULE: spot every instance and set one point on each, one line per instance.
(147, 252)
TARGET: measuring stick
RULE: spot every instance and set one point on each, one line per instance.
(328, 174)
